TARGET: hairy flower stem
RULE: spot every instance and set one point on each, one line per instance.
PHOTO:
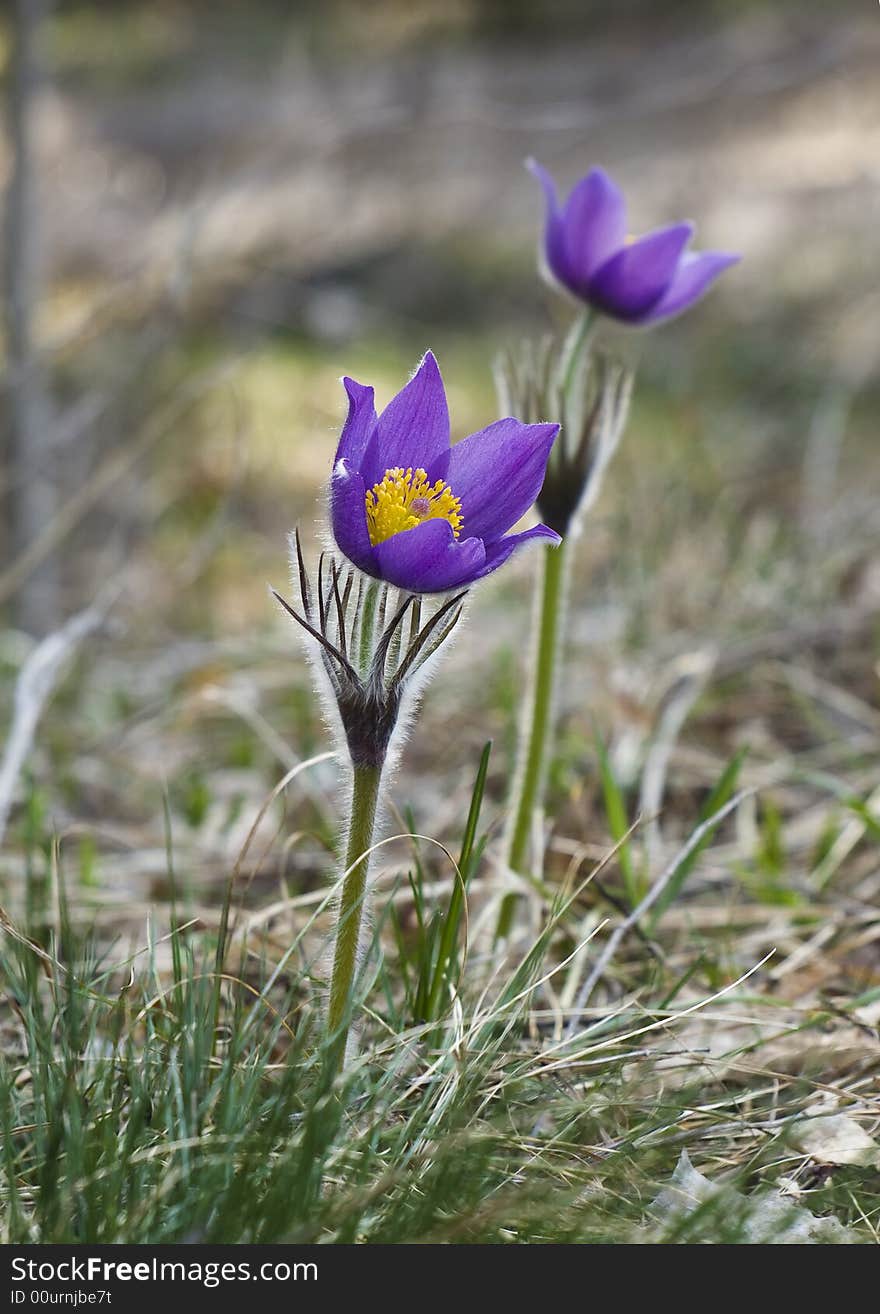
(364, 798)
(537, 727)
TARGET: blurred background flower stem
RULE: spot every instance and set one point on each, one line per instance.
(538, 723)
(531, 766)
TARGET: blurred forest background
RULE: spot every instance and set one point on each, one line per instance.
(214, 210)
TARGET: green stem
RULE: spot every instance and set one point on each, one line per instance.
(449, 934)
(581, 334)
(534, 743)
(529, 786)
(364, 798)
(368, 625)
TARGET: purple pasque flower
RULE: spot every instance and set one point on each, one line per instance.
(408, 508)
(639, 280)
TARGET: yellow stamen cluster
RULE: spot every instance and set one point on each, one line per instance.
(404, 499)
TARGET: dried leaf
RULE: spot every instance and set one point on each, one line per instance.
(835, 1139)
(697, 1209)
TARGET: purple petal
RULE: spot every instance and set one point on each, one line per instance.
(348, 516)
(360, 423)
(428, 559)
(633, 281)
(413, 430)
(595, 224)
(497, 473)
(554, 229)
(498, 552)
(693, 277)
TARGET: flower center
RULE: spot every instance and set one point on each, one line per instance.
(404, 499)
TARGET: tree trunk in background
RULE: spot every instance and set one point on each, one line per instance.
(31, 492)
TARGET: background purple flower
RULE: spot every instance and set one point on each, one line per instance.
(638, 281)
(408, 508)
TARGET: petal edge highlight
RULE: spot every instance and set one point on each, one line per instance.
(348, 517)
(360, 423)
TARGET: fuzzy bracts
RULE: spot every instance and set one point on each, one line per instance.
(373, 645)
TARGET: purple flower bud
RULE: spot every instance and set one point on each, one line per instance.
(639, 281)
(410, 509)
